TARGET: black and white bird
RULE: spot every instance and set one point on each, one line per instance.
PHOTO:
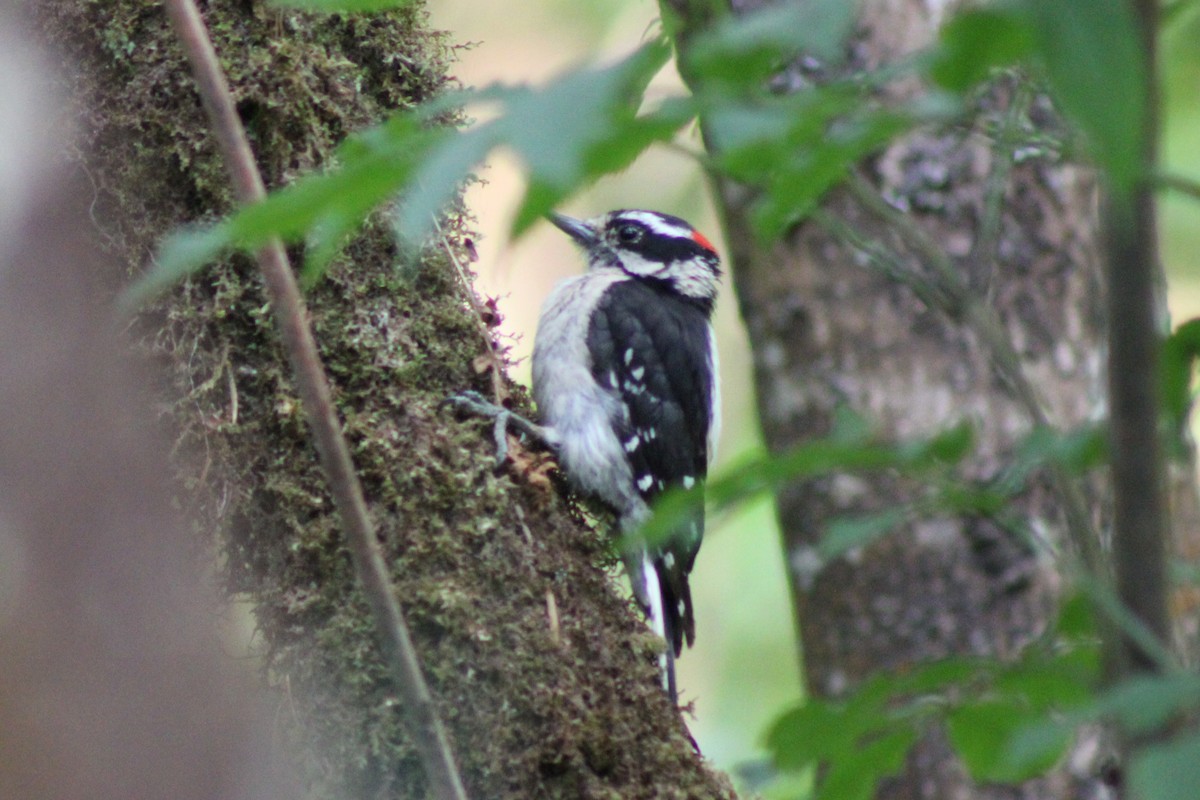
(625, 379)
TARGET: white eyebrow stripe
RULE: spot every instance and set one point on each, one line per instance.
(658, 225)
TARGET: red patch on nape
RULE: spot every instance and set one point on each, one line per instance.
(702, 240)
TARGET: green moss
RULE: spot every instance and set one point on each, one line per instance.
(533, 711)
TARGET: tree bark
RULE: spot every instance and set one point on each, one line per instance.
(546, 678)
(998, 323)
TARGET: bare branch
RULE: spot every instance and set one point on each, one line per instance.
(426, 727)
(1139, 501)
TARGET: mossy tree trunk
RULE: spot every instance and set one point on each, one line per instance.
(996, 321)
(545, 677)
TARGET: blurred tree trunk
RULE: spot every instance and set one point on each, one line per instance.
(545, 677)
(999, 323)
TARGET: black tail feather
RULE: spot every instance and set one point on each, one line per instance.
(680, 622)
(672, 686)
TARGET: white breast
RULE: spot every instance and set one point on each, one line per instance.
(577, 409)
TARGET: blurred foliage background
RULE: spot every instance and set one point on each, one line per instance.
(1180, 234)
(745, 666)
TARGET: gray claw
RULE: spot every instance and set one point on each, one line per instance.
(475, 403)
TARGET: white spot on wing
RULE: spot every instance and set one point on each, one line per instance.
(637, 372)
(688, 481)
(632, 444)
(628, 355)
(644, 482)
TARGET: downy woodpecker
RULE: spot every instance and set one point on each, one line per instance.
(625, 379)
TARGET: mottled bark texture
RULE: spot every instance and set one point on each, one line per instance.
(1003, 333)
(545, 677)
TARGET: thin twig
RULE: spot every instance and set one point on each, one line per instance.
(1177, 183)
(495, 365)
(426, 726)
(984, 248)
(1140, 516)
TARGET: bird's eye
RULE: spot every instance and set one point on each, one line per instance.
(629, 234)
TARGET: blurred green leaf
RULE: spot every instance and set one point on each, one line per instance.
(795, 147)
(179, 254)
(1077, 450)
(763, 473)
(327, 206)
(827, 731)
(1104, 599)
(843, 534)
(576, 128)
(856, 776)
(1066, 680)
(580, 126)
(797, 182)
(850, 426)
(976, 41)
(746, 49)
(343, 6)
(1143, 704)
(1029, 748)
(1180, 351)
(1169, 771)
(980, 733)
(1077, 617)
(1095, 64)
(809, 734)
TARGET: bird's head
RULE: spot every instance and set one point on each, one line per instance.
(650, 246)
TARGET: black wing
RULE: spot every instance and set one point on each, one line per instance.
(652, 347)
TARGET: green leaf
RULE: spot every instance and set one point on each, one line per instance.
(813, 732)
(856, 776)
(579, 126)
(795, 147)
(980, 732)
(760, 473)
(343, 6)
(1169, 771)
(797, 183)
(327, 206)
(940, 677)
(746, 49)
(1077, 617)
(976, 41)
(1095, 64)
(440, 177)
(180, 253)
(1180, 351)
(1066, 680)
(1144, 704)
(843, 534)
(1077, 450)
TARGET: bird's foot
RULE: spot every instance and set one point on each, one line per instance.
(473, 402)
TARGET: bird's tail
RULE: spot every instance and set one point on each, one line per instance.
(669, 603)
(653, 599)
